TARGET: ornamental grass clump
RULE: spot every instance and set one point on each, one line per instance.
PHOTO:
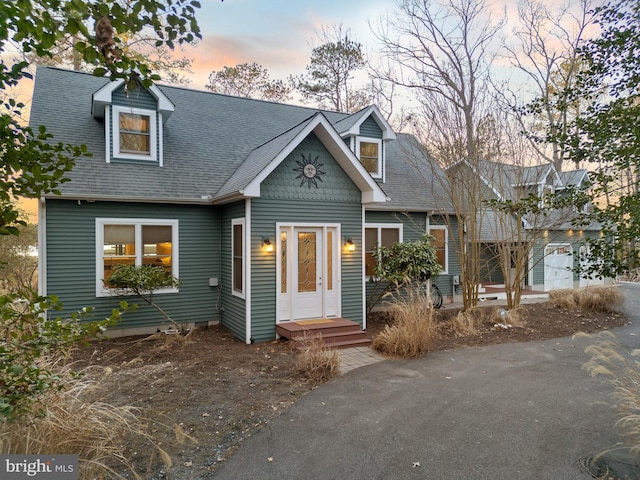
(621, 367)
(317, 362)
(68, 422)
(606, 299)
(413, 329)
(465, 323)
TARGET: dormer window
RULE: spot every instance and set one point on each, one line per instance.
(134, 133)
(370, 154)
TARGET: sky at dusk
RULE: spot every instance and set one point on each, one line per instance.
(277, 34)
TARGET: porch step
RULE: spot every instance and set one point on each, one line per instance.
(335, 332)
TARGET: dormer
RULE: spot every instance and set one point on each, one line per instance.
(133, 122)
(367, 132)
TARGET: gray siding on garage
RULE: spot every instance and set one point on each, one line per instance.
(71, 259)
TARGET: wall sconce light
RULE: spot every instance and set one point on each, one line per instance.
(268, 246)
(349, 245)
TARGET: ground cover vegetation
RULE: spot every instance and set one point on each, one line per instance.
(202, 394)
(39, 407)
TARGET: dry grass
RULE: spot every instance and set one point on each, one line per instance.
(95, 431)
(465, 323)
(317, 362)
(621, 367)
(413, 329)
(513, 317)
(597, 299)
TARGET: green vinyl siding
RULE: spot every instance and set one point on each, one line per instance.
(369, 128)
(71, 259)
(234, 315)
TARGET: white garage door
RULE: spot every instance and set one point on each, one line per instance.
(558, 266)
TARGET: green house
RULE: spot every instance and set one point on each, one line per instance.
(267, 213)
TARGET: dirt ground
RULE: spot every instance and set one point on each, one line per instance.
(203, 394)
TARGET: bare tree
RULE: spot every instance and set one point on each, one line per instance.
(443, 53)
(250, 81)
(545, 47)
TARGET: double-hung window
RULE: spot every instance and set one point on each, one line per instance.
(380, 235)
(238, 257)
(125, 241)
(134, 133)
(369, 151)
(440, 236)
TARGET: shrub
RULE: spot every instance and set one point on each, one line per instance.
(413, 329)
(402, 265)
(597, 299)
(29, 339)
(143, 281)
(317, 362)
(621, 367)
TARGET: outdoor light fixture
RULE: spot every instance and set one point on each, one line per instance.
(349, 245)
(268, 246)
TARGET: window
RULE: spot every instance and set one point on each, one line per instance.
(134, 242)
(237, 252)
(440, 235)
(369, 152)
(134, 133)
(378, 236)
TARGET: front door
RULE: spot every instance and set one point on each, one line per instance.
(307, 272)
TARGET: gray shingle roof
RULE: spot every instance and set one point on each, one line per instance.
(213, 144)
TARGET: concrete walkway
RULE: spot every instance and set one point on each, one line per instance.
(502, 412)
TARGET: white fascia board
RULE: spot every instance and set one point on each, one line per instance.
(340, 152)
(102, 98)
(372, 111)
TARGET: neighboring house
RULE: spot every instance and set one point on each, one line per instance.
(267, 213)
(557, 246)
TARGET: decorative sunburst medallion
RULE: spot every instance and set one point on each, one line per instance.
(309, 171)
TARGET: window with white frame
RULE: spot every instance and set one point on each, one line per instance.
(369, 151)
(126, 241)
(238, 257)
(440, 235)
(379, 235)
(134, 133)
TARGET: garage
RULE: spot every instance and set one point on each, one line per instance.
(558, 266)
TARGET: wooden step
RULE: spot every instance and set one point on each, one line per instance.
(335, 332)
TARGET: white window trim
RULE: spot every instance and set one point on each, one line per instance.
(153, 133)
(446, 245)
(101, 290)
(379, 227)
(234, 292)
(377, 174)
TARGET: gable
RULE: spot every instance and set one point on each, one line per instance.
(331, 183)
(369, 128)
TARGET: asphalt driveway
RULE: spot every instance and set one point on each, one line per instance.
(503, 412)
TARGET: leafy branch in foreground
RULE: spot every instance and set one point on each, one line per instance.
(28, 337)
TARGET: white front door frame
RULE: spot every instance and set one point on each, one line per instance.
(291, 304)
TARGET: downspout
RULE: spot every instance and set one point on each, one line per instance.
(42, 247)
